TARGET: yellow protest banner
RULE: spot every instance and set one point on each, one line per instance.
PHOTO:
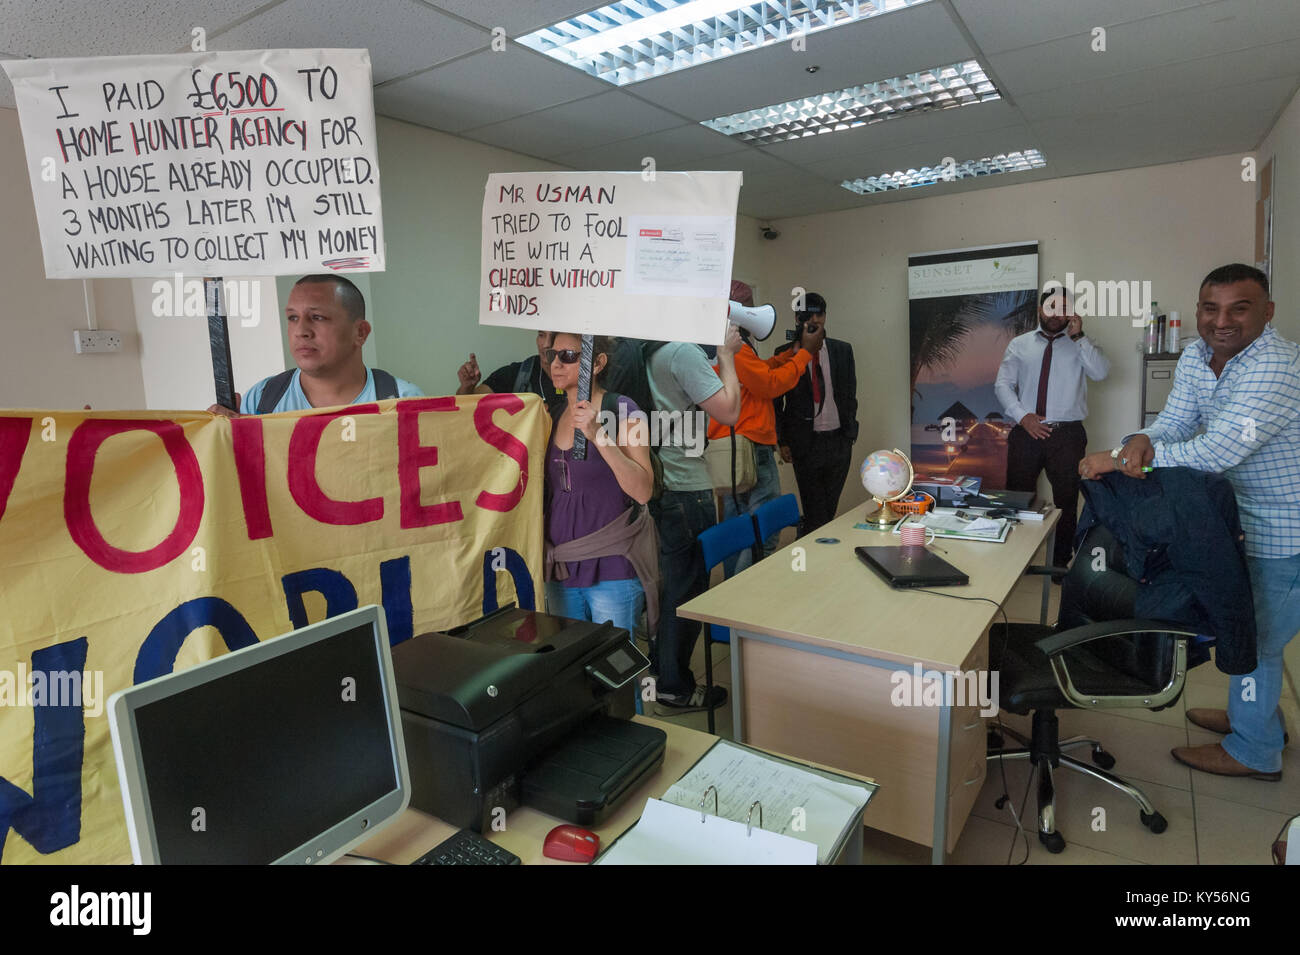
(135, 543)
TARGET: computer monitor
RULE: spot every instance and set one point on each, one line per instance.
(288, 751)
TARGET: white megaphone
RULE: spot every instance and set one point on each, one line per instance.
(758, 320)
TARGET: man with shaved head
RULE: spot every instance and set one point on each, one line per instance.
(326, 315)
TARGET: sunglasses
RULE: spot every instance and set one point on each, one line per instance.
(567, 356)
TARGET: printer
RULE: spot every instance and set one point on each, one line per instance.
(523, 708)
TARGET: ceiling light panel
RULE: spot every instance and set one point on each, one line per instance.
(635, 40)
(947, 171)
(944, 87)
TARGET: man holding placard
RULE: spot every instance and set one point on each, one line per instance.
(683, 387)
(327, 327)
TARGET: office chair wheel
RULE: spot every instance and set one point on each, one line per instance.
(1001, 803)
(1103, 758)
(1155, 822)
(1053, 842)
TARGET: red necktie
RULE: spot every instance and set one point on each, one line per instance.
(1041, 408)
(816, 378)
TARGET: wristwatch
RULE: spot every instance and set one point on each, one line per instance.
(1114, 455)
(1075, 338)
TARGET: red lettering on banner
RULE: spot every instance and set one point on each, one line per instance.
(250, 466)
(14, 435)
(82, 448)
(506, 443)
(412, 456)
(303, 447)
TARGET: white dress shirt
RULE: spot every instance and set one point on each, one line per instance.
(828, 419)
(1067, 391)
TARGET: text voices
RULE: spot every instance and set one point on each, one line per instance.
(250, 457)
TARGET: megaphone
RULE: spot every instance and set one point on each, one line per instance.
(758, 320)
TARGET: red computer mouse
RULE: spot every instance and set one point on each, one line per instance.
(571, 844)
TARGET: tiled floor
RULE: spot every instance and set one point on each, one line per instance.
(1213, 820)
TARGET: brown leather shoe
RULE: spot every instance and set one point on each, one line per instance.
(1216, 721)
(1213, 758)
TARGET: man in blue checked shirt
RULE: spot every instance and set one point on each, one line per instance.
(1235, 409)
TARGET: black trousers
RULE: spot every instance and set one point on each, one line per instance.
(820, 470)
(1059, 455)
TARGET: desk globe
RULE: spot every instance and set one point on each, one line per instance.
(887, 476)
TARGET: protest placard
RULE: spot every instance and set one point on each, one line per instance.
(611, 253)
(252, 163)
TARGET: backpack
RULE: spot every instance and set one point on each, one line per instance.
(277, 385)
(524, 376)
(609, 405)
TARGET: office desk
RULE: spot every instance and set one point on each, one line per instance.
(814, 654)
(414, 833)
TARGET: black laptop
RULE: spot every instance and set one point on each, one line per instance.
(905, 567)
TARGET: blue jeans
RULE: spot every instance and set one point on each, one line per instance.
(767, 488)
(681, 517)
(618, 601)
(1256, 737)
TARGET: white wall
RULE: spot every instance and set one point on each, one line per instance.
(175, 358)
(38, 365)
(1282, 145)
(1166, 224)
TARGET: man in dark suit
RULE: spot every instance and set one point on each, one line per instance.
(817, 421)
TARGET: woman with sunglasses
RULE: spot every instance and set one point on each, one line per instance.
(602, 555)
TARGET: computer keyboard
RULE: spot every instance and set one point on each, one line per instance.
(467, 847)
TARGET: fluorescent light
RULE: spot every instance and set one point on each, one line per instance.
(1021, 161)
(943, 87)
(634, 40)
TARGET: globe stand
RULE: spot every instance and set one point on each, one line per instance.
(881, 518)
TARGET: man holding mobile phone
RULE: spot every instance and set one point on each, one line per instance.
(1042, 385)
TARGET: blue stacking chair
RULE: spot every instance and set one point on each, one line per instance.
(719, 542)
(777, 514)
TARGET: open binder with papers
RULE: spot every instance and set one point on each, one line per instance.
(739, 806)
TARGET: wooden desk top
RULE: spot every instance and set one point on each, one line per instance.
(840, 603)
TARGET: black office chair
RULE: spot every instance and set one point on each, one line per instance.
(1097, 657)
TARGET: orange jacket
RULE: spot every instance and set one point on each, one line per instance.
(761, 380)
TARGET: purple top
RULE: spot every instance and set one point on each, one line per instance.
(592, 500)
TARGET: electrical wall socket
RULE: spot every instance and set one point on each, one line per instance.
(101, 340)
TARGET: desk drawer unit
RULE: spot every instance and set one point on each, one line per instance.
(843, 711)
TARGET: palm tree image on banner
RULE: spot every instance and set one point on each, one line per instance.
(965, 307)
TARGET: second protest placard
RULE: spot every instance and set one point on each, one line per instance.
(610, 253)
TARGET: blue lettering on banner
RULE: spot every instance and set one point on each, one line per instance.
(340, 596)
(50, 818)
(518, 572)
(395, 586)
(157, 656)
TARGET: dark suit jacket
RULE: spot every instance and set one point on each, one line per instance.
(1183, 544)
(795, 409)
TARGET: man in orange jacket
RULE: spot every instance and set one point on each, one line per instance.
(761, 380)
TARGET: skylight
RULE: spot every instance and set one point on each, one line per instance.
(635, 40)
(943, 87)
(1022, 161)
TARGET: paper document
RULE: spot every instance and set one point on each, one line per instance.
(796, 801)
(679, 255)
(674, 835)
(951, 526)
